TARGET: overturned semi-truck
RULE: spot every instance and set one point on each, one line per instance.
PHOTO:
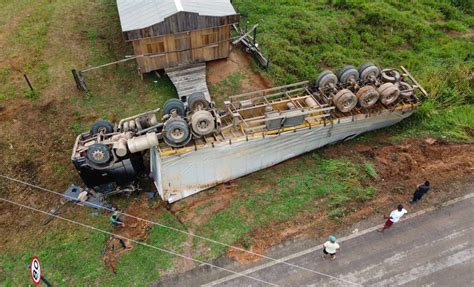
(194, 146)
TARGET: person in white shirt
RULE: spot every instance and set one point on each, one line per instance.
(394, 217)
(83, 196)
(330, 248)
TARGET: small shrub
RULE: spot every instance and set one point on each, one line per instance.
(451, 25)
(32, 95)
(366, 194)
(370, 170)
(337, 213)
(338, 200)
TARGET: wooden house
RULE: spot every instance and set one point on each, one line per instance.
(169, 33)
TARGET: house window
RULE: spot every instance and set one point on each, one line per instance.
(209, 39)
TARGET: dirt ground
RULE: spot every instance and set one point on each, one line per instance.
(134, 229)
(400, 166)
(237, 62)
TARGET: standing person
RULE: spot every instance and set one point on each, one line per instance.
(330, 248)
(421, 189)
(116, 220)
(394, 217)
(83, 196)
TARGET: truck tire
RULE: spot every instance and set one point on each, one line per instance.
(345, 100)
(102, 126)
(346, 73)
(367, 96)
(325, 79)
(197, 101)
(389, 93)
(176, 132)
(203, 123)
(368, 71)
(390, 76)
(174, 105)
(406, 90)
(99, 154)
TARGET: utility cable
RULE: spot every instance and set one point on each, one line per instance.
(182, 231)
(136, 241)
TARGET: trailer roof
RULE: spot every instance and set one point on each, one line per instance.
(139, 14)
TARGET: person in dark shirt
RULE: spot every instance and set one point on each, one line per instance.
(116, 220)
(420, 191)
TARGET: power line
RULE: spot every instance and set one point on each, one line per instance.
(183, 231)
(135, 241)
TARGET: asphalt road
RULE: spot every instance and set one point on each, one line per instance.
(433, 249)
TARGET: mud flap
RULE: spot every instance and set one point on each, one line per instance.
(80, 80)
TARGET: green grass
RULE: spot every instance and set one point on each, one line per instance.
(370, 170)
(304, 37)
(295, 188)
(228, 87)
(72, 255)
(26, 45)
(143, 265)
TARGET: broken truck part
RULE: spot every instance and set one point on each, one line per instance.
(194, 146)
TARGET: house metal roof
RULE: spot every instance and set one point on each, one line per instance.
(139, 14)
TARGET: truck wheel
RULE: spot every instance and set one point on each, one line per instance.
(345, 100)
(406, 90)
(174, 105)
(176, 132)
(99, 154)
(390, 76)
(367, 71)
(202, 123)
(367, 96)
(197, 101)
(325, 79)
(102, 126)
(346, 73)
(389, 93)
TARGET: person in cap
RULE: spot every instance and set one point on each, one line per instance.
(330, 248)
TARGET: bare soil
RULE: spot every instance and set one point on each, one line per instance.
(134, 229)
(237, 62)
(401, 166)
(201, 207)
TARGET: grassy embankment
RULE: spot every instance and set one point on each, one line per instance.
(433, 40)
(46, 39)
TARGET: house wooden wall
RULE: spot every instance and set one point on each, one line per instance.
(181, 22)
(190, 41)
(182, 48)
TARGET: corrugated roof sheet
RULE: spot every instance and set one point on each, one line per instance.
(139, 14)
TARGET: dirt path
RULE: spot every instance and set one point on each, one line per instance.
(134, 229)
(237, 62)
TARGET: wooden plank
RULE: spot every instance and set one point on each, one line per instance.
(189, 79)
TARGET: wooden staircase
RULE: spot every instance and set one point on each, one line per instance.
(189, 79)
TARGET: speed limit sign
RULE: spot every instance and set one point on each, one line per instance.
(35, 268)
